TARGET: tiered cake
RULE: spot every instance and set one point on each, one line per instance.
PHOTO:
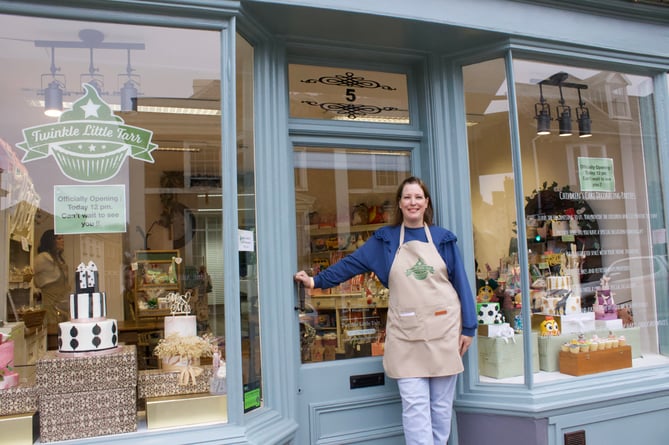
(180, 323)
(560, 298)
(180, 327)
(605, 306)
(8, 377)
(88, 329)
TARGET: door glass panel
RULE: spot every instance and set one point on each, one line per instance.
(342, 196)
(323, 92)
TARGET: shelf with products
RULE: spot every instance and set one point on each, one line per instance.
(337, 313)
(560, 222)
(157, 272)
(20, 288)
(349, 317)
(339, 239)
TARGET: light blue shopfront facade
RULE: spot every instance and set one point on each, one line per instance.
(431, 41)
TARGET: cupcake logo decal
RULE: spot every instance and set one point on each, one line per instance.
(89, 142)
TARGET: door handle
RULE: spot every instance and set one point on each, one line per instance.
(301, 297)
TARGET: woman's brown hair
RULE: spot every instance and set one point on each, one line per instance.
(429, 212)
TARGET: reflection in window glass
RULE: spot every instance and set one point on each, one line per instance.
(592, 199)
(118, 150)
(593, 218)
(323, 92)
(342, 197)
(493, 212)
(248, 283)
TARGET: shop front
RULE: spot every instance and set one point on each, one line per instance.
(166, 169)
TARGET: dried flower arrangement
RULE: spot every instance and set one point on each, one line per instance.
(185, 347)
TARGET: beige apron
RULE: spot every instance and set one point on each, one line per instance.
(424, 321)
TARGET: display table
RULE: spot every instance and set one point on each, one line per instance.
(501, 358)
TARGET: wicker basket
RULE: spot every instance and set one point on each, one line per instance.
(32, 318)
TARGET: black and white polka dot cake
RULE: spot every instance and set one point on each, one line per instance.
(89, 329)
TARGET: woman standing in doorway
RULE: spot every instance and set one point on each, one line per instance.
(51, 277)
(431, 311)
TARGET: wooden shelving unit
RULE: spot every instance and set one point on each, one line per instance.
(158, 273)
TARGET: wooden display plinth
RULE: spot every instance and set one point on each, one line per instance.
(593, 362)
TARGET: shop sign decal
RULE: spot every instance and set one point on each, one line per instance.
(89, 142)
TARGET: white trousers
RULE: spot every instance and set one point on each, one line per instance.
(427, 407)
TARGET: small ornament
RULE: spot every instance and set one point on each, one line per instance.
(549, 327)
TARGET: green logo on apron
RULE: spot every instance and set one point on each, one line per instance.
(420, 270)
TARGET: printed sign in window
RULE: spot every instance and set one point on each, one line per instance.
(89, 209)
(596, 174)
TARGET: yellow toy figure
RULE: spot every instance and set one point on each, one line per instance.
(549, 327)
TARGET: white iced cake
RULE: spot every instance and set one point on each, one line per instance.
(88, 329)
(181, 325)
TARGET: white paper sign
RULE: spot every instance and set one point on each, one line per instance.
(246, 241)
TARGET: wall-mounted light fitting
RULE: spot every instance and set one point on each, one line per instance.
(542, 112)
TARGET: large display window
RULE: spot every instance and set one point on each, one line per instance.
(113, 246)
(580, 272)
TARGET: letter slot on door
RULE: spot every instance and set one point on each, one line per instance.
(366, 380)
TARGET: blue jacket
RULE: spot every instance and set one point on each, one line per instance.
(377, 255)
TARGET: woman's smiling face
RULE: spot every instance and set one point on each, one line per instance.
(413, 204)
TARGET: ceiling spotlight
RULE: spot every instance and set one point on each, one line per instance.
(129, 91)
(53, 84)
(53, 93)
(564, 116)
(53, 99)
(542, 113)
(583, 118)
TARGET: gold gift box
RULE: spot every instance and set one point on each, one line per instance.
(183, 410)
(18, 429)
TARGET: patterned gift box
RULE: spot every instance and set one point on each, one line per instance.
(117, 423)
(55, 409)
(87, 414)
(18, 400)
(87, 395)
(158, 383)
(61, 373)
